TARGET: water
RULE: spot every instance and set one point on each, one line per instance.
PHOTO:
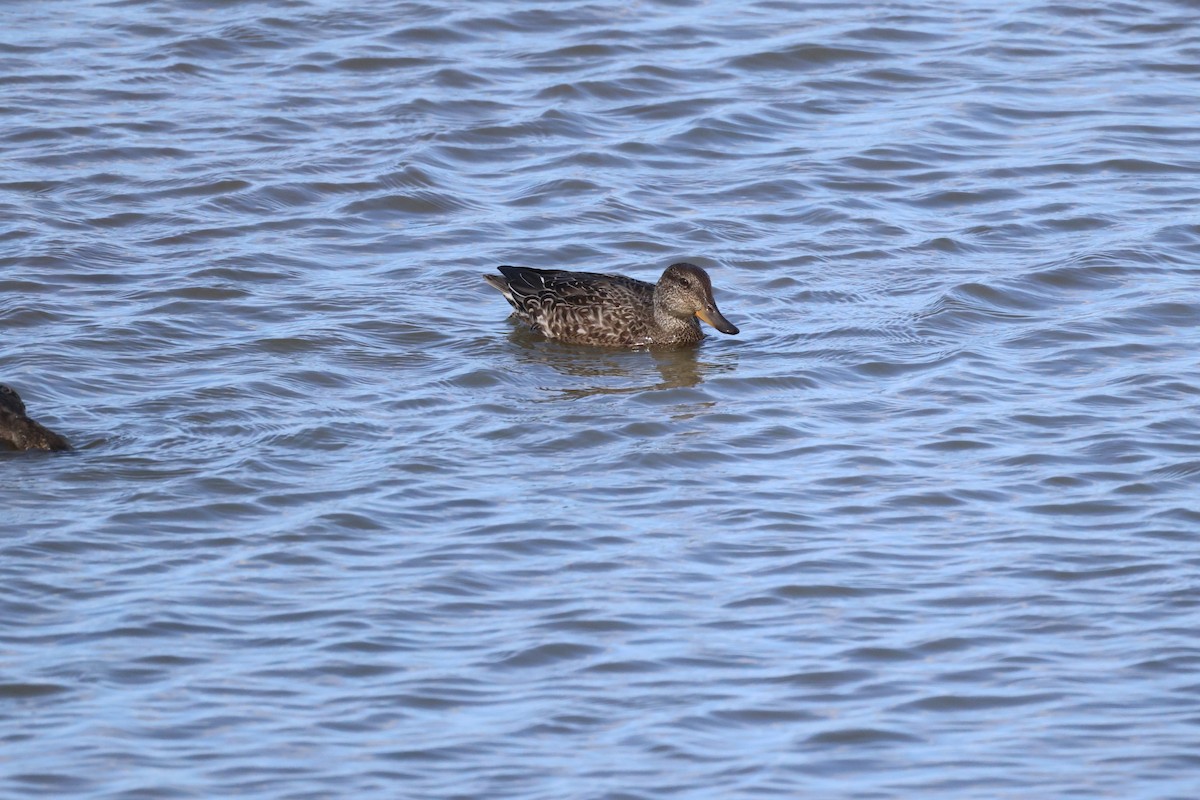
(336, 528)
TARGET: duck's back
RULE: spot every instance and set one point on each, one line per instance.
(22, 433)
(580, 307)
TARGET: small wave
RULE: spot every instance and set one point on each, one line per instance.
(802, 56)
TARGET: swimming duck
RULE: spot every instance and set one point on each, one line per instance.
(19, 431)
(613, 310)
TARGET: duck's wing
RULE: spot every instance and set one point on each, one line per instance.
(22, 433)
(540, 288)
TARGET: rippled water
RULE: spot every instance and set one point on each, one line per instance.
(336, 528)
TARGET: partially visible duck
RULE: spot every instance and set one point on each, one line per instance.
(19, 431)
(613, 310)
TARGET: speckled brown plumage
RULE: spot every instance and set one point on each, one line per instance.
(18, 431)
(613, 310)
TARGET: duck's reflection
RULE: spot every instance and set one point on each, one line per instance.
(616, 371)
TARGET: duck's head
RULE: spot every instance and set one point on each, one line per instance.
(9, 399)
(684, 291)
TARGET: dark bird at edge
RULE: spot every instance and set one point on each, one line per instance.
(20, 432)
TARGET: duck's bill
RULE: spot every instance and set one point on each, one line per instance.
(714, 317)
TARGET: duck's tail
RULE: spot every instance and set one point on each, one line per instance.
(501, 285)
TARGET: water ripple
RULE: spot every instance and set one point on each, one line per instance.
(327, 500)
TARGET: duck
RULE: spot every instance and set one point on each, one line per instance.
(20, 432)
(592, 308)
